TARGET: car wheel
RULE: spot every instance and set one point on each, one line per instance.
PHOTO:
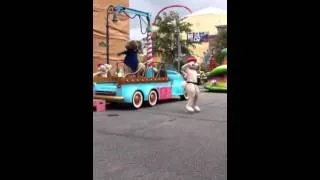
(152, 98)
(137, 99)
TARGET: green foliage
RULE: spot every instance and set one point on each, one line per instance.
(175, 64)
(165, 40)
(221, 44)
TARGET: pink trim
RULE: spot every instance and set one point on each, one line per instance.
(165, 93)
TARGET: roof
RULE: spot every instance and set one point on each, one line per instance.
(208, 10)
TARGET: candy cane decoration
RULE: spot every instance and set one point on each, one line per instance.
(149, 50)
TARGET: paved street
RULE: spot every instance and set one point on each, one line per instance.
(163, 142)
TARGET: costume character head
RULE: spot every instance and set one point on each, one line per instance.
(131, 59)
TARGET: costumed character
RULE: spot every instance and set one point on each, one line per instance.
(189, 71)
(103, 70)
(131, 60)
(161, 72)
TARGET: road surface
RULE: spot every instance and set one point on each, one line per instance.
(163, 142)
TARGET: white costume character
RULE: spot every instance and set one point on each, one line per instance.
(189, 71)
(103, 70)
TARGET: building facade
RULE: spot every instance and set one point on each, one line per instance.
(206, 20)
(118, 32)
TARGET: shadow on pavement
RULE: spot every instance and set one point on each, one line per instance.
(218, 92)
(169, 101)
(128, 107)
(119, 106)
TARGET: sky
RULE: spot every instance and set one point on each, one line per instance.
(154, 6)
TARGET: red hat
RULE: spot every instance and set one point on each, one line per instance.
(99, 65)
(191, 58)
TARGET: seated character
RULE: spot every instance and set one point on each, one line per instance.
(103, 70)
(163, 72)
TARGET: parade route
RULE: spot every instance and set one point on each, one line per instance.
(163, 142)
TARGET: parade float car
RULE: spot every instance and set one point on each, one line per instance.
(136, 89)
(164, 85)
(217, 79)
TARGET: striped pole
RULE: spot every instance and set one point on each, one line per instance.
(149, 50)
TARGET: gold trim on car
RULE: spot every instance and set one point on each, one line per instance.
(109, 98)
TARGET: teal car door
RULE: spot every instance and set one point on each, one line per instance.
(177, 83)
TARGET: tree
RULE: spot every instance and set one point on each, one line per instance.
(221, 43)
(165, 39)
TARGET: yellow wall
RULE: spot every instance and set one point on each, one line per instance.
(205, 23)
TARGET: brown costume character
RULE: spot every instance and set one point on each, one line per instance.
(131, 60)
(189, 71)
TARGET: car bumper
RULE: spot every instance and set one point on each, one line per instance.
(109, 98)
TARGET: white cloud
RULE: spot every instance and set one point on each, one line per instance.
(135, 34)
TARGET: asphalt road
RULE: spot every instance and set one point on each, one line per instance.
(163, 142)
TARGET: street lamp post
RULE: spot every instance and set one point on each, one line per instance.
(109, 10)
(178, 43)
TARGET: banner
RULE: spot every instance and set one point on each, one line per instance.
(198, 37)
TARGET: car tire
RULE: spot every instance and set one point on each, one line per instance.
(152, 98)
(137, 100)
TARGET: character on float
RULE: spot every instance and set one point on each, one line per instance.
(131, 60)
(103, 70)
(189, 71)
